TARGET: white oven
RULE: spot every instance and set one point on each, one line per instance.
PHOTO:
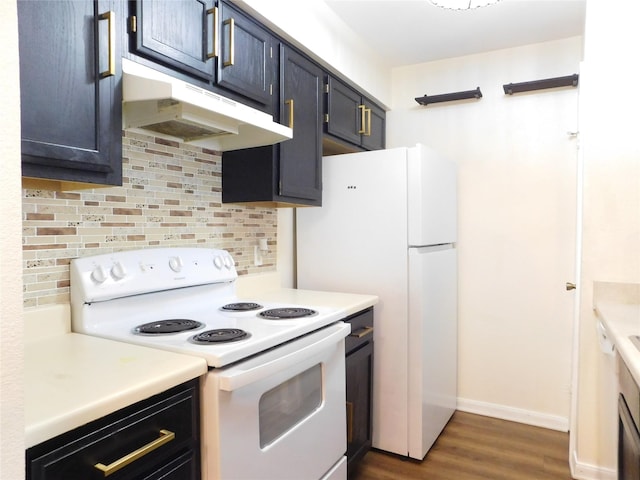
(279, 415)
(273, 400)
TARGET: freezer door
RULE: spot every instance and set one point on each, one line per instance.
(432, 197)
(432, 344)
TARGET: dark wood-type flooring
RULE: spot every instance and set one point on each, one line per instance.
(474, 447)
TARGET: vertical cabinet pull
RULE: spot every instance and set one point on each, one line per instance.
(368, 115)
(362, 118)
(349, 422)
(165, 437)
(290, 103)
(111, 25)
(232, 25)
(214, 32)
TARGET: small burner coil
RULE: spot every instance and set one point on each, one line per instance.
(241, 307)
(287, 313)
(220, 335)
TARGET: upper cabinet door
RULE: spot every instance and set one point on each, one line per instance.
(246, 63)
(179, 33)
(69, 89)
(301, 104)
(345, 110)
(352, 117)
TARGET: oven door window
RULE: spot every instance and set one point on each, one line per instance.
(285, 406)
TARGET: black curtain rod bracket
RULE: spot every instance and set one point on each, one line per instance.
(568, 81)
(449, 97)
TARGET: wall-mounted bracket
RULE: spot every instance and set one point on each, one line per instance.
(449, 97)
(568, 81)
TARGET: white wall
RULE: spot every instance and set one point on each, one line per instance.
(517, 177)
(611, 235)
(11, 361)
(327, 38)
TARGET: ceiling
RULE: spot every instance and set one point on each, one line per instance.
(406, 32)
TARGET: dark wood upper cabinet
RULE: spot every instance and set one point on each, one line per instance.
(288, 173)
(247, 62)
(210, 41)
(352, 117)
(177, 33)
(70, 74)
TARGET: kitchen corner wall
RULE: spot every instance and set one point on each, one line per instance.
(170, 197)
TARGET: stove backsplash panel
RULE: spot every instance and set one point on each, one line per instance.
(171, 196)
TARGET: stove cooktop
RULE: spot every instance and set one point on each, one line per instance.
(166, 298)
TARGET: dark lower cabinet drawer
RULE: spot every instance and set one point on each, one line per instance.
(153, 439)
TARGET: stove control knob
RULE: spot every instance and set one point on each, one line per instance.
(228, 262)
(175, 263)
(99, 274)
(118, 271)
(217, 261)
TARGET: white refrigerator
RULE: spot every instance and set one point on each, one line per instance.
(387, 226)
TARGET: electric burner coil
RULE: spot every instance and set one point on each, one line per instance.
(220, 335)
(287, 313)
(167, 327)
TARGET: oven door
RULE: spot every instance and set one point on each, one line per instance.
(279, 415)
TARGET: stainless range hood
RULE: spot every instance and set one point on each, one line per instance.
(160, 105)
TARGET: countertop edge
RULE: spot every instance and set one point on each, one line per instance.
(621, 321)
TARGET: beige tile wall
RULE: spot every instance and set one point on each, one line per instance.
(171, 196)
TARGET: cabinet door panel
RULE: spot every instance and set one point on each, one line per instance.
(178, 33)
(343, 108)
(359, 376)
(245, 63)
(300, 158)
(70, 113)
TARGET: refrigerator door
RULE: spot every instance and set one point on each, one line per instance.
(357, 243)
(432, 206)
(432, 344)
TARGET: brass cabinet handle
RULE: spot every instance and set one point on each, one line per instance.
(214, 32)
(165, 437)
(349, 422)
(362, 118)
(570, 286)
(362, 332)
(231, 24)
(290, 103)
(110, 17)
(368, 115)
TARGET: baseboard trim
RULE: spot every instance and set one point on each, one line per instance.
(519, 415)
(585, 471)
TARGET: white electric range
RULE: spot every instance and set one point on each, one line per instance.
(273, 400)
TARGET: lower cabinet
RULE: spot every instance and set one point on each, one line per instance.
(628, 425)
(157, 438)
(359, 378)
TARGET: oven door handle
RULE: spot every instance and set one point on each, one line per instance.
(238, 377)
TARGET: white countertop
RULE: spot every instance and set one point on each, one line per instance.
(72, 379)
(618, 306)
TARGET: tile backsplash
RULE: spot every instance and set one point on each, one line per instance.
(171, 196)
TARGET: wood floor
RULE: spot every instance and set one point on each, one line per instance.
(473, 447)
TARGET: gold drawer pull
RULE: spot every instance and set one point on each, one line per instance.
(165, 437)
(232, 47)
(362, 332)
(349, 422)
(110, 17)
(214, 32)
(363, 111)
(290, 103)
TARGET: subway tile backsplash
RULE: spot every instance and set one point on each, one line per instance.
(171, 196)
